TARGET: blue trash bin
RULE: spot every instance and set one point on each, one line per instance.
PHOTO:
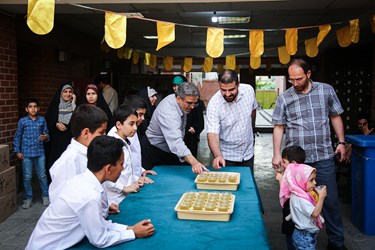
(363, 180)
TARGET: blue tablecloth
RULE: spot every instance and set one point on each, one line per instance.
(156, 201)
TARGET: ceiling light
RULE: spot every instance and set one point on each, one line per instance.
(234, 36)
(214, 18)
(150, 37)
(232, 19)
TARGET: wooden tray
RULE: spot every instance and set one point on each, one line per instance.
(218, 185)
(204, 214)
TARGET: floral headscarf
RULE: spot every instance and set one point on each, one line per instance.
(66, 108)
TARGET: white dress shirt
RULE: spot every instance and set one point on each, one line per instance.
(111, 97)
(114, 191)
(232, 121)
(76, 214)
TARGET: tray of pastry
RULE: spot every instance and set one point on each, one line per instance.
(218, 180)
(210, 206)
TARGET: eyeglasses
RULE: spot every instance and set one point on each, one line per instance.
(192, 104)
(298, 80)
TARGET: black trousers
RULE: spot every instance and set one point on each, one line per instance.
(153, 156)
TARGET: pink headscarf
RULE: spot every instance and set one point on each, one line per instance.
(294, 181)
(93, 87)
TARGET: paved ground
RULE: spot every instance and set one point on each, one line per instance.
(16, 230)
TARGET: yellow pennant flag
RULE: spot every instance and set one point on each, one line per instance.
(153, 61)
(230, 62)
(256, 42)
(255, 62)
(284, 57)
(343, 36)
(147, 58)
(188, 64)
(168, 63)
(354, 30)
(372, 22)
(115, 30)
(291, 41)
(165, 34)
(207, 65)
(323, 32)
(135, 58)
(311, 47)
(40, 16)
(220, 68)
(215, 42)
(128, 53)
(120, 52)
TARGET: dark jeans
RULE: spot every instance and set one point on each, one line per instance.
(248, 163)
(326, 175)
(153, 156)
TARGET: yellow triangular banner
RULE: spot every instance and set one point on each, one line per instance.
(208, 63)
(153, 61)
(168, 63)
(354, 30)
(256, 42)
(291, 41)
(115, 30)
(165, 34)
(128, 53)
(135, 58)
(372, 22)
(215, 42)
(323, 32)
(147, 59)
(220, 68)
(311, 47)
(40, 16)
(120, 52)
(284, 57)
(255, 62)
(188, 64)
(343, 36)
(230, 62)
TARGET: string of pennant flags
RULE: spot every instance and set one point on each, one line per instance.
(40, 20)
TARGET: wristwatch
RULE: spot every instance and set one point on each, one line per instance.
(342, 143)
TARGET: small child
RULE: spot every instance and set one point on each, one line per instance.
(297, 183)
(28, 144)
(125, 118)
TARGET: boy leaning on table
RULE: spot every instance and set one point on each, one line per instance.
(76, 212)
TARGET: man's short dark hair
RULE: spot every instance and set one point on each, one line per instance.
(102, 78)
(103, 150)
(135, 101)
(87, 116)
(31, 100)
(228, 76)
(294, 153)
(301, 63)
(123, 112)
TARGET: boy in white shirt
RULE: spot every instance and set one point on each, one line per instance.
(76, 212)
(87, 122)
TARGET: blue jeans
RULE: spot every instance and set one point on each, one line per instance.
(326, 175)
(39, 163)
(303, 239)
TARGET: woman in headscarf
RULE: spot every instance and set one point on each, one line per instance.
(94, 97)
(58, 117)
(150, 96)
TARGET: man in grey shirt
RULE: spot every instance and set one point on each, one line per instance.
(164, 140)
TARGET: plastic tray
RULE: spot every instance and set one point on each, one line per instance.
(217, 185)
(215, 215)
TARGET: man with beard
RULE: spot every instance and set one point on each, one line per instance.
(230, 121)
(164, 140)
(304, 111)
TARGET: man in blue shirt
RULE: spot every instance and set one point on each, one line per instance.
(28, 144)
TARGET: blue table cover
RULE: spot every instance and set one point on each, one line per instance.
(245, 230)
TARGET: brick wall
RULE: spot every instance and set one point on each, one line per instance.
(8, 81)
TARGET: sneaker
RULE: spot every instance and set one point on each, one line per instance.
(27, 203)
(45, 201)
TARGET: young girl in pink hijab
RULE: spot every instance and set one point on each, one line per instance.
(297, 183)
